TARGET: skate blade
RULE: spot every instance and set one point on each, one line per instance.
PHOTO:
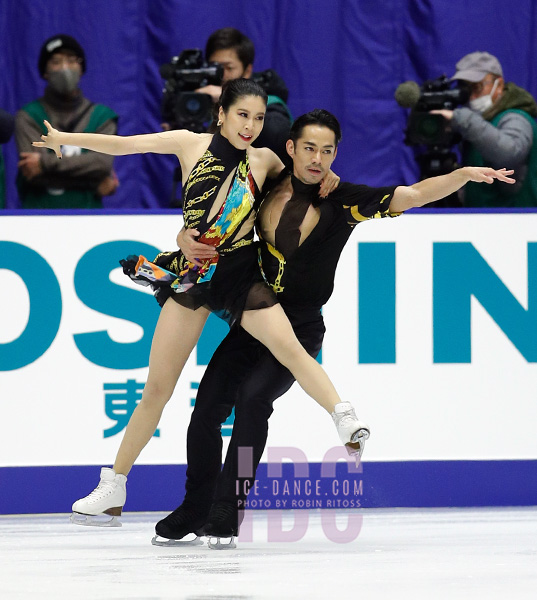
(160, 541)
(355, 451)
(360, 435)
(94, 520)
(218, 545)
(355, 447)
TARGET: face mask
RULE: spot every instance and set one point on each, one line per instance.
(483, 103)
(64, 82)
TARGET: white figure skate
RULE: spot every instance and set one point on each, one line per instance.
(107, 498)
(352, 432)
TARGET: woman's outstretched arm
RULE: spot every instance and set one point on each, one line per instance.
(166, 142)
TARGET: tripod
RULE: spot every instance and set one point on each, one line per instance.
(439, 160)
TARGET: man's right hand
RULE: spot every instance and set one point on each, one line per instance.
(447, 114)
(214, 91)
(195, 252)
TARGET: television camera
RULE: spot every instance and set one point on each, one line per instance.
(429, 130)
(182, 106)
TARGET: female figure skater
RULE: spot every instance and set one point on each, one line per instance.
(225, 174)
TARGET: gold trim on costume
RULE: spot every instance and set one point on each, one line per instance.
(276, 286)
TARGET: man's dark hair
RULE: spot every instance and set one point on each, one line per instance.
(230, 38)
(317, 116)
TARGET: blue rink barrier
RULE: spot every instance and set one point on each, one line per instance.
(31, 490)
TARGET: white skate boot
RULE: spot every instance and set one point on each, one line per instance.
(107, 498)
(352, 432)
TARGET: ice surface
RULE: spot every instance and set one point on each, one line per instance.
(394, 553)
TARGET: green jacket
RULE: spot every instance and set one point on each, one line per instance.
(34, 196)
(479, 195)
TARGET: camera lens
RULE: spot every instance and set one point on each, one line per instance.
(430, 126)
(424, 128)
(192, 105)
(193, 111)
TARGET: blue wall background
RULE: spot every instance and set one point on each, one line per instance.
(347, 56)
(374, 485)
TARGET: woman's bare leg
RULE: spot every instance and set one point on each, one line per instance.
(273, 329)
(177, 332)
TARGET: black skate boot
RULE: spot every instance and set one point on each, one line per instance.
(222, 522)
(184, 520)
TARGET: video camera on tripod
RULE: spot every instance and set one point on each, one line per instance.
(431, 131)
(182, 107)
(428, 130)
(424, 128)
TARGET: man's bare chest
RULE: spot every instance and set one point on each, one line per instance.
(281, 212)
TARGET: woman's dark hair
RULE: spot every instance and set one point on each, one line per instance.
(233, 90)
(238, 88)
(317, 116)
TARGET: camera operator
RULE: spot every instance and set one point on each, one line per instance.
(498, 129)
(235, 52)
(193, 87)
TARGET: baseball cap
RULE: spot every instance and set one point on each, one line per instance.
(474, 66)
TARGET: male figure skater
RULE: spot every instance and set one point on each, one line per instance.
(302, 237)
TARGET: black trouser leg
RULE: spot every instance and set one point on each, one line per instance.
(266, 381)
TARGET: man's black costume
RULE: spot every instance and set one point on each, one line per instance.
(243, 373)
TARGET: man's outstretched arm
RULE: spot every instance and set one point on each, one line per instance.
(435, 188)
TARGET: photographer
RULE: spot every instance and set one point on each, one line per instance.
(193, 87)
(235, 53)
(498, 129)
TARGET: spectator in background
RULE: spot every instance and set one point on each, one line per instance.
(235, 52)
(7, 124)
(81, 178)
(498, 129)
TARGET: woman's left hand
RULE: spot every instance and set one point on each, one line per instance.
(51, 140)
(329, 184)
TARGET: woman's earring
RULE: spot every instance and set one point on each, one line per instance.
(219, 123)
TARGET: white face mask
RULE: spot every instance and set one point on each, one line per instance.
(483, 103)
